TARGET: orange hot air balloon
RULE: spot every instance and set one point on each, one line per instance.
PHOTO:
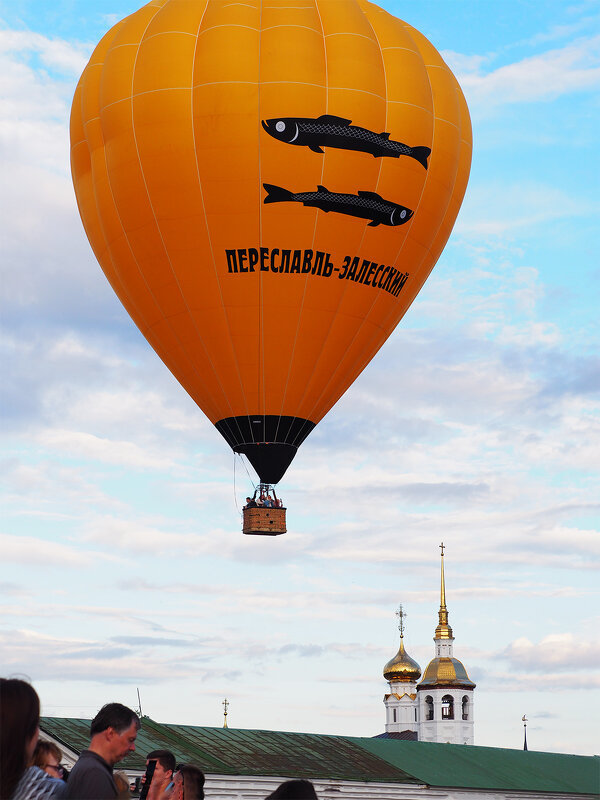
(267, 187)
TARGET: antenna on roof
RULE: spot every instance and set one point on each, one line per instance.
(138, 710)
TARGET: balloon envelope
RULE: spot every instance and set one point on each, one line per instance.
(267, 187)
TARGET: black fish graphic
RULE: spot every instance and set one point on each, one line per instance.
(367, 205)
(330, 131)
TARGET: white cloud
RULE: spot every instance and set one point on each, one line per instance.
(543, 682)
(553, 654)
(556, 32)
(30, 550)
(572, 68)
(493, 209)
(94, 448)
(56, 54)
(146, 539)
(51, 657)
(530, 334)
(45, 252)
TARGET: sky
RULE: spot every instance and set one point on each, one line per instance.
(122, 564)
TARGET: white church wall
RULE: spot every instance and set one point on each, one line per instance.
(443, 729)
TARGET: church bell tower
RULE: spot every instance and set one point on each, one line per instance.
(445, 693)
(402, 674)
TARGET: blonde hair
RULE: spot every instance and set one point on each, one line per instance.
(122, 783)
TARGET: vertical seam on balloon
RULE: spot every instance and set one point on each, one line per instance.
(158, 228)
(261, 314)
(436, 119)
(189, 360)
(212, 255)
(365, 318)
(385, 321)
(108, 251)
(118, 215)
(116, 274)
(432, 150)
(82, 84)
(383, 325)
(345, 289)
(326, 87)
(375, 297)
(290, 365)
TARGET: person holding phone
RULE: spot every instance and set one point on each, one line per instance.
(161, 783)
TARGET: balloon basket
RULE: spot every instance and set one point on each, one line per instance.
(264, 521)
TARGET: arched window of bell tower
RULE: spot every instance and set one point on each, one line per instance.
(429, 707)
(447, 707)
(465, 707)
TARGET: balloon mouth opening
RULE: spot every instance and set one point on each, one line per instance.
(269, 459)
(269, 442)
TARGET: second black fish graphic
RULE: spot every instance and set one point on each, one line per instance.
(367, 205)
(330, 131)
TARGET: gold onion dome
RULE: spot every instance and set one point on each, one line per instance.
(446, 672)
(402, 668)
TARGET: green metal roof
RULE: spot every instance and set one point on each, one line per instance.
(472, 767)
(230, 751)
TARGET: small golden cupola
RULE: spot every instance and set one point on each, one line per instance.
(401, 668)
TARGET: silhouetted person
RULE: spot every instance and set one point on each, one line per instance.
(294, 790)
(19, 731)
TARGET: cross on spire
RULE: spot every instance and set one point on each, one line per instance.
(441, 546)
(401, 614)
(225, 705)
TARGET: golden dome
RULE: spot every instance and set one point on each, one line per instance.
(402, 668)
(445, 672)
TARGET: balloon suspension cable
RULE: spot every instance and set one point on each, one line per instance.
(237, 508)
(246, 468)
(256, 486)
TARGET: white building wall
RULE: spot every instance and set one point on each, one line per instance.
(241, 788)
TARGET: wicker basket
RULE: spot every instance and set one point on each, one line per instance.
(264, 521)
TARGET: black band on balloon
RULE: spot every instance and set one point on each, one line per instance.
(270, 442)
